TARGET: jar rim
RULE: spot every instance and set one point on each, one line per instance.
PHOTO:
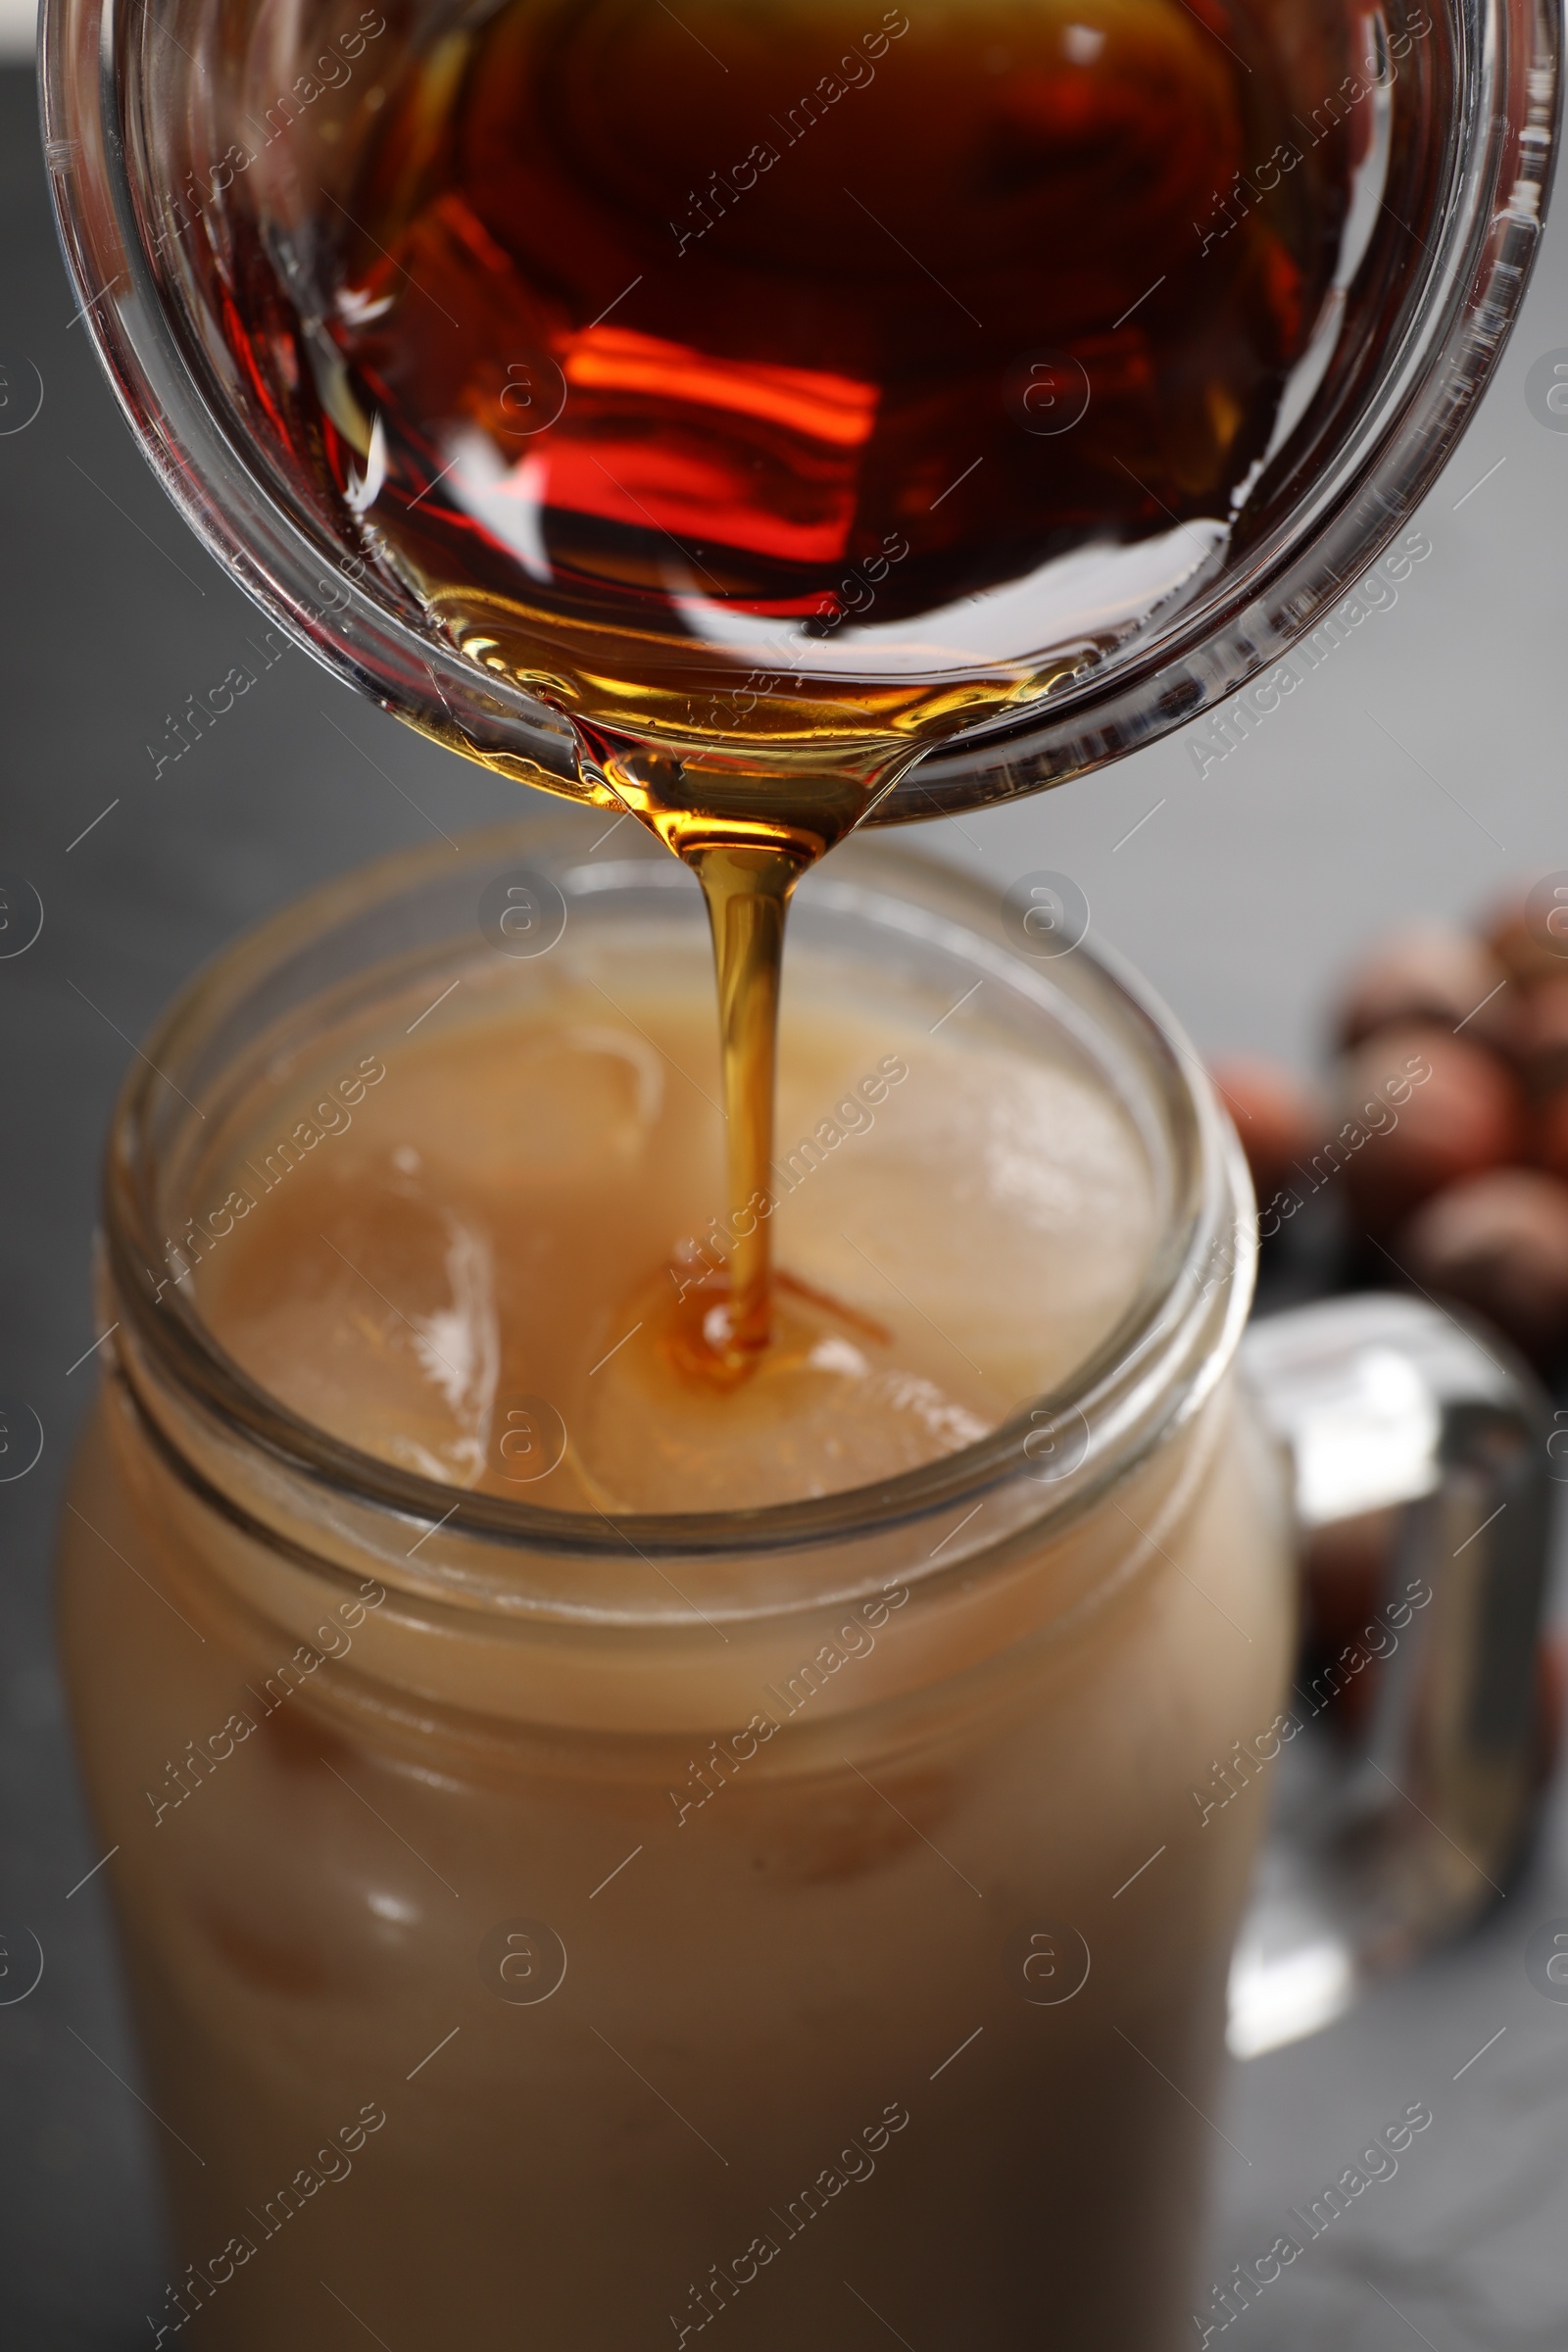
(1147, 1375)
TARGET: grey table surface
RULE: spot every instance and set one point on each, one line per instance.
(1420, 770)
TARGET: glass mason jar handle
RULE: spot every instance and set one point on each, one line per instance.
(1414, 1744)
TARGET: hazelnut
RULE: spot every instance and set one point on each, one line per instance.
(1528, 934)
(1278, 1117)
(1429, 973)
(1419, 1109)
(1500, 1244)
(1551, 1142)
(1541, 1037)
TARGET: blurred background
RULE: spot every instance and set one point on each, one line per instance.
(1419, 772)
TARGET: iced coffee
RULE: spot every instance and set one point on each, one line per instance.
(609, 1850)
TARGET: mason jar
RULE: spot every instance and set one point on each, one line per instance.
(552, 1928)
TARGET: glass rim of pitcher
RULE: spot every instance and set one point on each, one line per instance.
(1499, 145)
(1145, 1378)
